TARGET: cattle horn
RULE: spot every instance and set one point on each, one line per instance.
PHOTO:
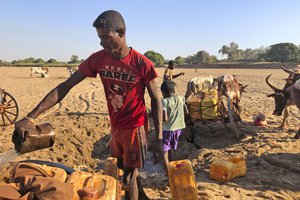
(269, 84)
(288, 71)
(243, 87)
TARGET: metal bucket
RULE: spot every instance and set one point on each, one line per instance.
(43, 136)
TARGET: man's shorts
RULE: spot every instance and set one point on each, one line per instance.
(170, 139)
(129, 144)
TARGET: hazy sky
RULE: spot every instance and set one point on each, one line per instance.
(61, 28)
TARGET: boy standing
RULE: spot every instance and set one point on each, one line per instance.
(174, 111)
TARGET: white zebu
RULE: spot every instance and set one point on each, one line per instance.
(43, 71)
(198, 84)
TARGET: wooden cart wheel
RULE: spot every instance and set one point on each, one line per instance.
(233, 118)
(9, 109)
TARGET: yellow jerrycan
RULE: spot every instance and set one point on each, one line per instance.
(209, 105)
(182, 180)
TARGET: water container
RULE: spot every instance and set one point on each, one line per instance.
(209, 109)
(93, 186)
(16, 168)
(226, 170)
(211, 94)
(182, 180)
(42, 136)
(194, 106)
(55, 172)
(111, 167)
(209, 104)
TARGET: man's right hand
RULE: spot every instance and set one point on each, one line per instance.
(24, 126)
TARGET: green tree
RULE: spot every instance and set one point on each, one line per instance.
(191, 59)
(4, 63)
(155, 57)
(52, 61)
(179, 60)
(29, 60)
(225, 50)
(283, 52)
(74, 59)
(39, 60)
(232, 51)
(262, 53)
(212, 59)
(202, 57)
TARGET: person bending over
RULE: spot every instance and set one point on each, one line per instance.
(125, 74)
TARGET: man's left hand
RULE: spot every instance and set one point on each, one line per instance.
(159, 149)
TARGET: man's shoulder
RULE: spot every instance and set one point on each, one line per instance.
(141, 57)
(97, 55)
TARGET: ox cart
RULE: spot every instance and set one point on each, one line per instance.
(217, 104)
(9, 109)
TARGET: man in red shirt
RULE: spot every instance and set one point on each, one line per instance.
(125, 74)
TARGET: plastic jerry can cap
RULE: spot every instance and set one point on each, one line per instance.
(90, 193)
(179, 165)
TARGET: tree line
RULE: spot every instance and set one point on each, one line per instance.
(281, 52)
(74, 60)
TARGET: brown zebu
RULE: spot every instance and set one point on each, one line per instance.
(229, 87)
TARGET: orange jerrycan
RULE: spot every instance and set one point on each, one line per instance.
(182, 180)
(93, 186)
(226, 170)
(111, 167)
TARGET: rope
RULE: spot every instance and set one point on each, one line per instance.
(201, 109)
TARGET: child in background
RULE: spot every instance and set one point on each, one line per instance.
(174, 111)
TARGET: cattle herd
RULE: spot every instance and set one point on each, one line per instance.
(228, 86)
